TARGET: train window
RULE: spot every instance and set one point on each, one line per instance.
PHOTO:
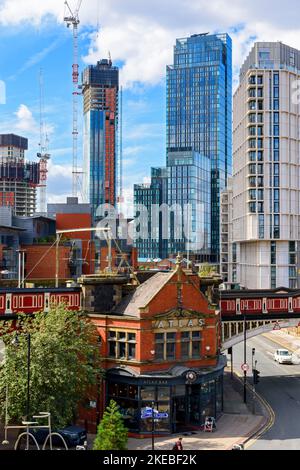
(40, 298)
(15, 301)
(71, 300)
(2, 302)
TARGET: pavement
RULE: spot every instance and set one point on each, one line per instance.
(236, 425)
(285, 339)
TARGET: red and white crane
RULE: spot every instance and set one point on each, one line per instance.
(43, 154)
(73, 20)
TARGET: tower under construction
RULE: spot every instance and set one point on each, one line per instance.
(18, 179)
(100, 87)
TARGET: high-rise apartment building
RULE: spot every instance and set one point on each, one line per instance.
(227, 248)
(199, 115)
(266, 168)
(18, 179)
(100, 85)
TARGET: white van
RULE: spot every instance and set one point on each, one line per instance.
(283, 356)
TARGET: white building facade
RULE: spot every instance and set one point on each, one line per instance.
(266, 168)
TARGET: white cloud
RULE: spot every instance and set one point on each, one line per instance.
(25, 120)
(140, 34)
(59, 184)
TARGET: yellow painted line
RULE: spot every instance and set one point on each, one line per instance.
(267, 426)
(270, 421)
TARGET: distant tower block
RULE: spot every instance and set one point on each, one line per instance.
(18, 178)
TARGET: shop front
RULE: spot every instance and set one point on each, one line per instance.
(182, 396)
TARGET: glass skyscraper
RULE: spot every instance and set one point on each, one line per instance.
(100, 84)
(148, 196)
(199, 121)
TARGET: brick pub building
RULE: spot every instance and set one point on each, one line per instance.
(160, 347)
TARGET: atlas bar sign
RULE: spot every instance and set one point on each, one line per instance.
(180, 323)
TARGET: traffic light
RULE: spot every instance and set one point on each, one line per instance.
(256, 376)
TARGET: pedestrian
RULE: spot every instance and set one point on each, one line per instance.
(178, 445)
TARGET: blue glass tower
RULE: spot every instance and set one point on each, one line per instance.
(199, 118)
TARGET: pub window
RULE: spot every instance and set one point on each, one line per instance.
(185, 344)
(171, 337)
(190, 344)
(196, 341)
(122, 345)
(165, 346)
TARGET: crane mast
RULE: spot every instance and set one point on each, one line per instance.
(73, 20)
(43, 154)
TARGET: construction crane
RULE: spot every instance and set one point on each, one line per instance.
(73, 20)
(43, 154)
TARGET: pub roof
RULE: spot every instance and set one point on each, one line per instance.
(133, 302)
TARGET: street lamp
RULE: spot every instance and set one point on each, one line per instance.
(253, 385)
(245, 360)
(153, 424)
(16, 342)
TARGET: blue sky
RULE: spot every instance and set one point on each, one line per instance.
(140, 35)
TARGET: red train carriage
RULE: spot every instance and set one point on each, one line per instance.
(14, 301)
(259, 302)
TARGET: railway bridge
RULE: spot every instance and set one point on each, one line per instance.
(247, 313)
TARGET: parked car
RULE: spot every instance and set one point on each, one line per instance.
(283, 356)
(73, 435)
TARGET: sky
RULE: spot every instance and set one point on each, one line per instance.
(139, 35)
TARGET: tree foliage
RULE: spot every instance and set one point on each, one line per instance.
(64, 364)
(111, 433)
(207, 269)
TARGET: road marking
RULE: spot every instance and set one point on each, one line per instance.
(270, 421)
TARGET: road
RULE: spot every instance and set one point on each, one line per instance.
(280, 385)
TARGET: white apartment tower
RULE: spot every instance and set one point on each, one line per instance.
(266, 168)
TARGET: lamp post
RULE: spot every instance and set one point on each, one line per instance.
(253, 384)
(152, 433)
(21, 268)
(28, 374)
(16, 343)
(245, 360)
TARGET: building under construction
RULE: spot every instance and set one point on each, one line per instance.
(18, 179)
(100, 86)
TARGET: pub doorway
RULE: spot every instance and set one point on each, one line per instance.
(179, 414)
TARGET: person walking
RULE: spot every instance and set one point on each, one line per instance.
(178, 445)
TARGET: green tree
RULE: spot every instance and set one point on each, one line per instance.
(207, 270)
(64, 364)
(111, 432)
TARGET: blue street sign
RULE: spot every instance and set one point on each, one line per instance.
(161, 415)
(156, 415)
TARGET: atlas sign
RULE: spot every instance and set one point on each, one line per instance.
(180, 323)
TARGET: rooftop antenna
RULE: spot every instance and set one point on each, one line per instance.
(73, 20)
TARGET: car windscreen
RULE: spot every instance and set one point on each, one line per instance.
(284, 353)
